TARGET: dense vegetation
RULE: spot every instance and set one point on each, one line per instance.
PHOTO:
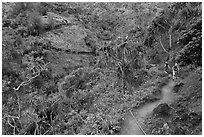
(77, 68)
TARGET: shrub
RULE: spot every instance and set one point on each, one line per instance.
(35, 26)
(192, 41)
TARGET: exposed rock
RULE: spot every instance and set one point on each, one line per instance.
(162, 110)
(178, 87)
(71, 37)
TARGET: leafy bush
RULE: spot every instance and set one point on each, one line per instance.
(192, 41)
(36, 25)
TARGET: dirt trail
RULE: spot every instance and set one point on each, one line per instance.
(130, 126)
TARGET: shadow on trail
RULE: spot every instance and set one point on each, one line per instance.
(131, 127)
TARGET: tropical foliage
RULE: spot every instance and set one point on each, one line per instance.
(77, 68)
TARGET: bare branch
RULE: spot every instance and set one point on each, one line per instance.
(114, 57)
(11, 126)
(19, 107)
(36, 129)
(170, 40)
(22, 84)
(163, 47)
(42, 67)
(121, 45)
(26, 82)
(11, 116)
(159, 25)
(46, 132)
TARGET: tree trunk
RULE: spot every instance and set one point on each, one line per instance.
(170, 30)
(170, 41)
(123, 64)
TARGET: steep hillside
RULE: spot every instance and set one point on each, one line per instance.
(87, 68)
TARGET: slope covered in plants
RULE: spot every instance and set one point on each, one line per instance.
(78, 68)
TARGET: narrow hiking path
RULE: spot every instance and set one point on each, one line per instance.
(131, 126)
